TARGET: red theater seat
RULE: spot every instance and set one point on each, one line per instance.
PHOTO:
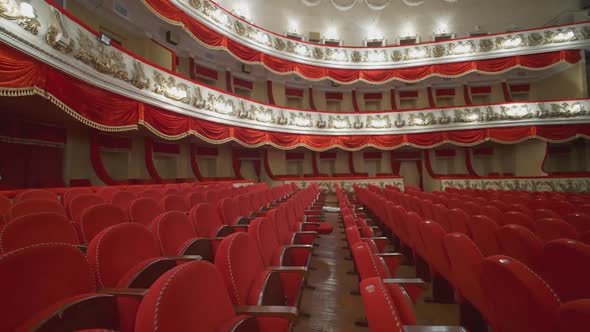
(174, 203)
(483, 232)
(580, 221)
(107, 193)
(4, 210)
(548, 229)
(544, 213)
(458, 220)
(32, 206)
(518, 218)
(144, 210)
(38, 228)
(72, 193)
(565, 266)
(520, 301)
(519, 243)
(98, 217)
(35, 194)
(80, 203)
(574, 316)
(123, 199)
(208, 223)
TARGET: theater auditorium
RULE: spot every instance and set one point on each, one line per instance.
(294, 165)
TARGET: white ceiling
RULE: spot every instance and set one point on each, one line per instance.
(398, 19)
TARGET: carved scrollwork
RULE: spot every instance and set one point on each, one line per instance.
(563, 110)
(358, 124)
(11, 10)
(514, 112)
(468, 115)
(198, 100)
(57, 33)
(219, 104)
(378, 121)
(101, 57)
(399, 122)
(321, 123)
(422, 119)
(339, 122)
(196, 4)
(138, 77)
(301, 120)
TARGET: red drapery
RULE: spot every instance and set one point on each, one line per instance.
(468, 164)
(211, 37)
(393, 102)
(506, 92)
(355, 104)
(98, 141)
(195, 164)
(149, 160)
(420, 173)
(236, 164)
(311, 103)
(314, 164)
(228, 82)
(466, 95)
(267, 168)
(271, 97)
(431, 101)
(395, 164)
(105, 110)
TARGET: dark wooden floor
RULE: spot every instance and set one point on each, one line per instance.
(331, 306)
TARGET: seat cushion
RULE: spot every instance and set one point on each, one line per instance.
(325, 228)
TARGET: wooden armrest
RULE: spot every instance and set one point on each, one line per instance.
(243, 221)
(185, 258)
(376, 238)
(289, 269)
(300, 246)
(290, 313)
(425, 328)
(307, 232)
(405, 281)
(311, 223)
(132, 292)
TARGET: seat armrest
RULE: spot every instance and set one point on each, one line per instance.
(130, 292)
(211, 239)
(243, 221)
(83, 248)
(376, 238)
(405, 281)
(427, 328)
(299, 246)
(184, 258)
(311, 223)
(307, 232)
(290, 313)
(301, 270)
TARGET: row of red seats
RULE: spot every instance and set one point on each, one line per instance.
(90, 214)
(551, 294)
(135, 277)
(389, 301)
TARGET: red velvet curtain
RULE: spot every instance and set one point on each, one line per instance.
(468, 163)
(228, 82)
(267, 167)
(236, 164)
(395, 164)
(431, 101)
(466, 95)
(195, 163)
(314, 164)
(30, 166)
(506, 92)
(311, 103)
(271, 97)
(420, 174)
(355, 104)
(96, 161)
(149, 161)
(393, 101)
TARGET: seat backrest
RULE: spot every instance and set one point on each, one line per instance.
(441, 216)
(174, 231)
(32, 206)
(548, 229)
(205, 219)
(491, 212)
(544, 213)
(580, 221)
(565, 265)
(520, 301)
(228, 210)
(117, 250)
(519, 243)
(107, 193)
(190, 297)
(59, 270)
(98, 217)
(466, 260)
(153, 194)
(72, 193)
(196, 198)
(32, 229)
(264, 233)
(239, 262)
(433, 234)
(458, 220)
(382, 314)
(281, 226)
(82, 202)
(574, 316)
(123, 199)
(144, 210)
(367, 264)
(35, 194)
(173, 203)
(4, 209)
(483, 233)
(518, 218)
(561, 207)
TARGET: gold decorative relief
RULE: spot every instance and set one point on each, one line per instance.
(338, 122)
(101, 57)
(170, 89)
(57, 33)
(378, 121)
(356, 56)
(321, 123)
(486, 45)
(514, 112)
(358, 124)
(535, 39)
(23, 12)
(282, 119)
(468, 115)
(399, 122)
(219, 105)
(196, 4)
(563, 110)
(422, 119)
(444, 118)
(279, 44)
(198, 100)
(439, 51)
(318, 53)
(301, 120)
(138, 77)
(239, 28)
(264, 115)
